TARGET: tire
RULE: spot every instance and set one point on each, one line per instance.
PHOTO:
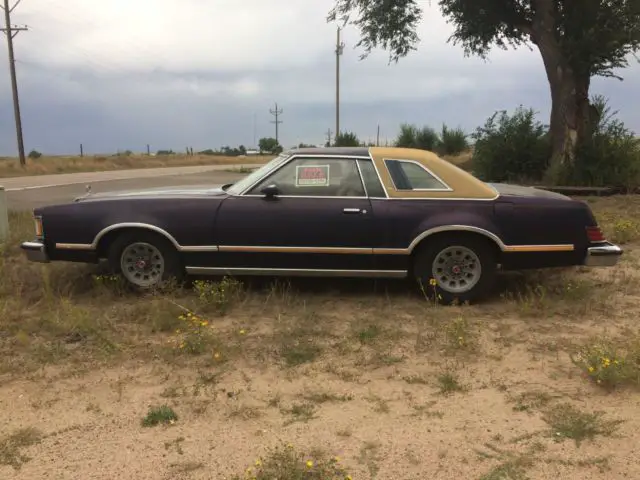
(162, 262)
(471, 281)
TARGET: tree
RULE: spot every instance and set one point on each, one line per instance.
(269, 145)
(346, 139)
(410, 136)
(577, 39)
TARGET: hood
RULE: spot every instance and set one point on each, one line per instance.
(520, 191)
(161, 192)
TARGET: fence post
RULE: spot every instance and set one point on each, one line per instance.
(4, 216)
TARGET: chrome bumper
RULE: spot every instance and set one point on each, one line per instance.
(605, 255)
(35, 252)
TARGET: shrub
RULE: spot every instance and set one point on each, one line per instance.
(33, 154)
(611, 157)
(452, 141)
(410, 136)
(346, 139)
(512, 148)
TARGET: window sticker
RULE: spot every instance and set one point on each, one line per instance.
(312, 176)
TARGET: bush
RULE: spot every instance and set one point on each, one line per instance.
(33, 154)
(346, 139)
(425, 138)
(512, 148)
(452, 141)
(611, 157)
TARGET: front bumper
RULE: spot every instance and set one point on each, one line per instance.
(35, 251)
(604, 255)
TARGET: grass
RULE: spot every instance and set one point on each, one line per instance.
(335, 362)
(47, 165)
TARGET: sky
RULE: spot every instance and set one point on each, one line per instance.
(122, 74)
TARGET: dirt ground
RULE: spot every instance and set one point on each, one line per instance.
(374, 373)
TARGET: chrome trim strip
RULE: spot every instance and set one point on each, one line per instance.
(281, 249)
(309, 196)
(447, 189)
(492, 236)
(302, 272)
(74, 246)
(153, 228)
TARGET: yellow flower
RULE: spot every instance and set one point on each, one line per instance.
(309, 464)
(336, 458)
(348, 477)
(204, 324)
(216, 355)
(243, 331)
(289, 445)
(433, 282)
(258, 463)
(591, 369)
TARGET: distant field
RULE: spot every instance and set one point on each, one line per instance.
(10, 167)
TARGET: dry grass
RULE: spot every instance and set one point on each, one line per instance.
(10, 167)
(370, 372)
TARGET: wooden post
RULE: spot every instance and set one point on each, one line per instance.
(81, 151)
(4, 216)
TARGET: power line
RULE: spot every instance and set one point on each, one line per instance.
(11, 31)
(277, 114)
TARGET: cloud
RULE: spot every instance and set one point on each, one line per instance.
(121, 74)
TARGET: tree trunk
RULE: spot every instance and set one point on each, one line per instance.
(569, 125)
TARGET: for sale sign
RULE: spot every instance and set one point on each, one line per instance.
(312, 176)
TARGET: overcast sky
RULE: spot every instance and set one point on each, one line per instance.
(120, 74)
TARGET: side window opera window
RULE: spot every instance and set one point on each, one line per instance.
(316, 177)
(408, 175)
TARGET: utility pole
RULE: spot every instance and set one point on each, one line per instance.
(328, 137)
(339, 50)
(255, 131)
(378, 137)
(277, 114)
(11, 32)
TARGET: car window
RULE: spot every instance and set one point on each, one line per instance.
(408, 175)
(371, 179)
(240, 185)
(316, 177)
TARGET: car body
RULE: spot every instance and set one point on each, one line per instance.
(346, 212)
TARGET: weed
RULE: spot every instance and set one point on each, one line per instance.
(606, 365)
(449, 383)
(218, 295)
(159, 415)
(370, 456)
(195, 336)
(566, 421)
(11, 446)
(285, 463)
(300, 412)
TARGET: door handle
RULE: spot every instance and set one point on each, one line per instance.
(353, 210)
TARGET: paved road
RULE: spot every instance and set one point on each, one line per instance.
(26, 193)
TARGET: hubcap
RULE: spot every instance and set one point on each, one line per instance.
(142, 264)
(456, 269)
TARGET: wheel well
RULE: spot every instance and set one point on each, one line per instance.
(457, 234)
(106, 240)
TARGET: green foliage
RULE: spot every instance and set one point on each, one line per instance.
(33, 154)
(269, 145)
(410, 136)
(165, 152)
(611, 157)
(452, 141)
(511, 148)
(346, 139)
(159, 415)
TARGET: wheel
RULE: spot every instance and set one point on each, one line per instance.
(144, 259)
(456, 268)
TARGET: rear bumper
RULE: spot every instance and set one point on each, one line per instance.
(604, 255)
(35, 251)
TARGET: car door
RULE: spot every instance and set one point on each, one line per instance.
(320, 220)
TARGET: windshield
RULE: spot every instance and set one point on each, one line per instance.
(238, 187)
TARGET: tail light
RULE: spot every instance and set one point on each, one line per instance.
(595, 235)
(38, 227)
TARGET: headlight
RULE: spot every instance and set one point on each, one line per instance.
(38, 226)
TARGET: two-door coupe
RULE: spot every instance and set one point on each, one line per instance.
(345, 212)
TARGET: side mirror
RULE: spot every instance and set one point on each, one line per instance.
(270, 191)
